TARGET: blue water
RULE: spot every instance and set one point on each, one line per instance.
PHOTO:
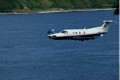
(26, 53)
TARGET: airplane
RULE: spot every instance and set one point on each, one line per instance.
(81, 34)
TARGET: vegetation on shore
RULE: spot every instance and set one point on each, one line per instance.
(42, 5)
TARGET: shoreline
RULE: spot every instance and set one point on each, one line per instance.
(75, 10)
(57, 11)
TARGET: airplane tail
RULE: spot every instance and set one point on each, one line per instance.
(105, 25)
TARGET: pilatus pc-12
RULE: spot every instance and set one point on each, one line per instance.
(81, 34)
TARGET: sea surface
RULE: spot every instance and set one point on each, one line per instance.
(26, 53)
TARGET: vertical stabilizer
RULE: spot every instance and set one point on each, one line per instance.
(105, 25)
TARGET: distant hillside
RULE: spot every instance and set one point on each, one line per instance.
(40, 5)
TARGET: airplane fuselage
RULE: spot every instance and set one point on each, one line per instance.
(81, 34)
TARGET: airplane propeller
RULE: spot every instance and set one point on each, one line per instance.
(50, 31)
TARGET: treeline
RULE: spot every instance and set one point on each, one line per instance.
(40, 5)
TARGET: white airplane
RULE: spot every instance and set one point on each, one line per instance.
(81, 34)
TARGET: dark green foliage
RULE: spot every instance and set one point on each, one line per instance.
(10, 5)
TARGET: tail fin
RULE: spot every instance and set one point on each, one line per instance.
(105, 25)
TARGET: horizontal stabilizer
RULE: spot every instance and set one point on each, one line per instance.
(109, 21)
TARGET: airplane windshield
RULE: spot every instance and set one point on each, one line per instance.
(64, 32)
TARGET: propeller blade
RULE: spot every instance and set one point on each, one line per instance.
(50, 31)
(53, 30)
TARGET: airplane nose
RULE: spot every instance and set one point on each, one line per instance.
(49, 36)
(52, 36)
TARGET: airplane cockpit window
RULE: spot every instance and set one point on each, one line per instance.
(64, 32)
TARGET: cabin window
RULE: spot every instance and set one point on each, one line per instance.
(76, 32)
(84, 32)
(79, 32)
(64, 32)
